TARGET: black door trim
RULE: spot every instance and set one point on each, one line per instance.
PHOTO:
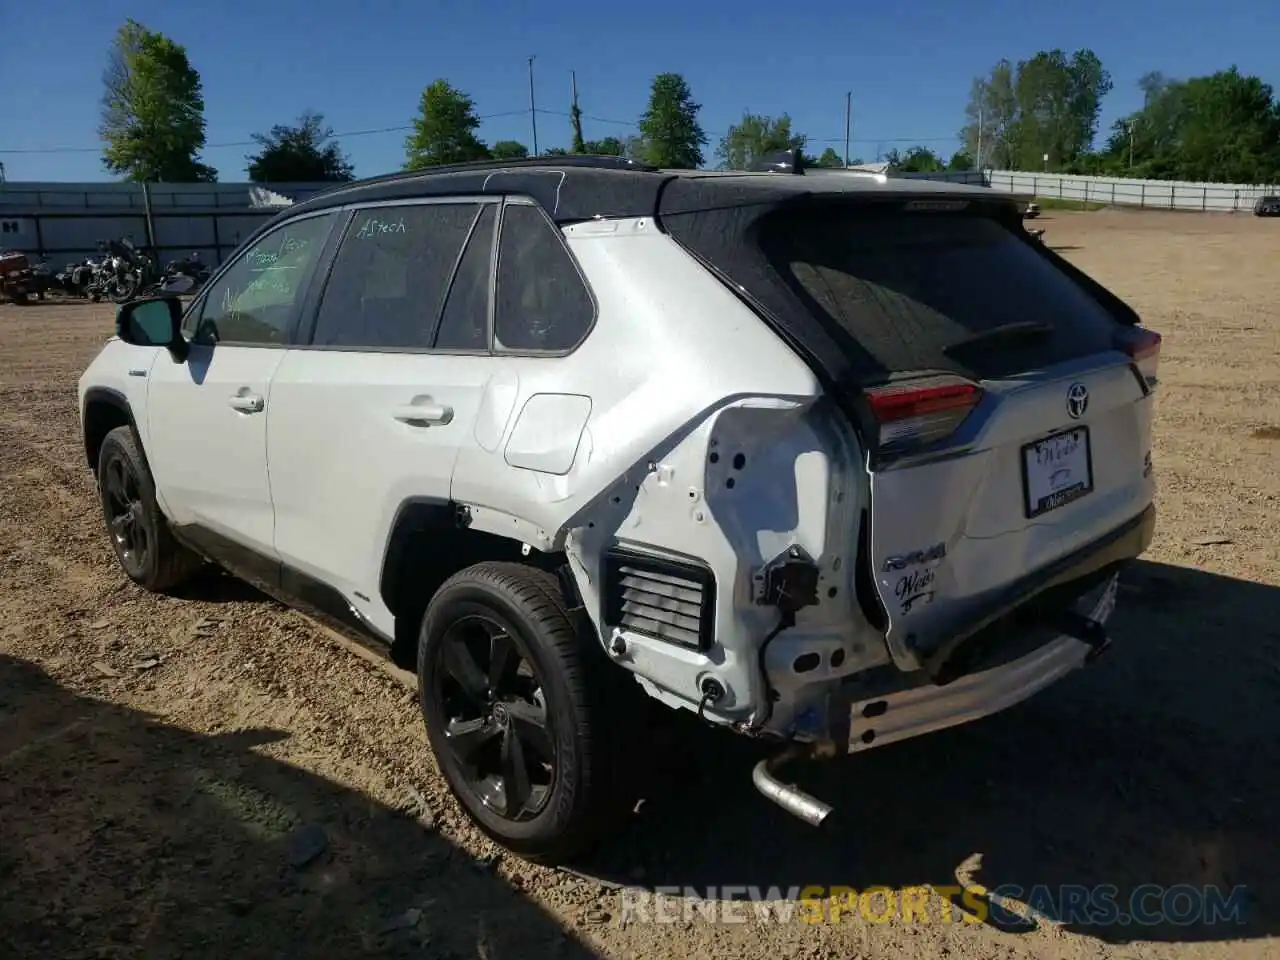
(295, 589)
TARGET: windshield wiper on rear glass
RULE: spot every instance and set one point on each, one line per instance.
(1029, 329)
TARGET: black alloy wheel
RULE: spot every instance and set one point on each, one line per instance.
(126, 510)
(496, 724)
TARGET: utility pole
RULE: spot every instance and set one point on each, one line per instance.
(982, 97)
(848, 124)
(575, 115)
(1130, 144)
(978, 160)
(533, 109)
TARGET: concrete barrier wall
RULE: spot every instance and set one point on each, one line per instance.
(1119, 191)
(63, 222)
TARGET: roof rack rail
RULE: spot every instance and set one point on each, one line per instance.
(590, 161)
(854, 172)
(782, 161)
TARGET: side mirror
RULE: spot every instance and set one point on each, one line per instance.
(154, 322)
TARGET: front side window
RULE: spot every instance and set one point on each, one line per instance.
(390, 275)
(256, 299)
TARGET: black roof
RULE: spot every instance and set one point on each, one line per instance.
(578, 188)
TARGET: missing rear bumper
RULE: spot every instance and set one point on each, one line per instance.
(950, 659)
(925, 709)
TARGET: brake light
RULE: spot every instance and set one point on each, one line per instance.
(920, 412)
(1143, 348)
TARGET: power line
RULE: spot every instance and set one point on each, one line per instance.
(404, 128)
(253, 143)
(840, 139)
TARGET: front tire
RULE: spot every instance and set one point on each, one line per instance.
(139, 532)
(523, 711)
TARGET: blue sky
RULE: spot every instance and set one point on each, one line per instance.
(364, 64)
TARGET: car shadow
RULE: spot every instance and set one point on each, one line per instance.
(121, 835)
(1158, 764)
(213, 585)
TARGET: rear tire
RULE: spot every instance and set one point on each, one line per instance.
(139, 531)
(563, 784)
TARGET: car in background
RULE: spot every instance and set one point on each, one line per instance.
(1267, 207)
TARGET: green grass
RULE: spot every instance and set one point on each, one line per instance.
(1055, 203)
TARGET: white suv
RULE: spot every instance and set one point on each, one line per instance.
(831, 459)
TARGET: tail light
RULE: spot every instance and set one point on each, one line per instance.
(919, 412)
(1143, 347)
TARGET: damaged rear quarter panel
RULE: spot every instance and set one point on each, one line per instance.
(706, 438)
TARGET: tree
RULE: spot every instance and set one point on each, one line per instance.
(756, 136)
(444, 129)
(671, 134)
(829, 158)
(555, 152)
(1223, 127)
(992, 114)
(960, 162)
(509, 150)
(920, 160)
(604, 147)
(305, 153)
(1047, 104)
(152, 110)
(1058, 103)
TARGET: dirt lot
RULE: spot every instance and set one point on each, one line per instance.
(216, 777)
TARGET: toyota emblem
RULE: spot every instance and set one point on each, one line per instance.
(1077, 400)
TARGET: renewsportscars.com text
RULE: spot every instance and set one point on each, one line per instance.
(1009, 904)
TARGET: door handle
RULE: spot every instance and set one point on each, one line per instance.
(246, 402)
(423, 412)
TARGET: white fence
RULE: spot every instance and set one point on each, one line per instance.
(1117, 191)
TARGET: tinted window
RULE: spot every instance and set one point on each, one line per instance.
(255, 300)
(911, 288)
(465, 323)
(390, 276)
(541, 300)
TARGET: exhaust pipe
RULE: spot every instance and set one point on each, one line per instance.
(791, 799)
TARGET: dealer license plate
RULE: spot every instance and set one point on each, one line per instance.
(1056, 470)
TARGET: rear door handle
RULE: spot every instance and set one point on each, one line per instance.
(423, 411)
(246, 402)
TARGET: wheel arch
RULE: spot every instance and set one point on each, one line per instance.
(430, 540)
(104, 410)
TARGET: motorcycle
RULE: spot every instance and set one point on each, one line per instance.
(42, 278)
(84, 279)
(128, 272)
(191, 266)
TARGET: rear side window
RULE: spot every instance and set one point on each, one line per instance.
(911, 288)
(542, 302)
(389, 278)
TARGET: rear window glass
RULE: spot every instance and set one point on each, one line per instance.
(910, 288)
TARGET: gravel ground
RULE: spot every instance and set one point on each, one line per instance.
(215, 776)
